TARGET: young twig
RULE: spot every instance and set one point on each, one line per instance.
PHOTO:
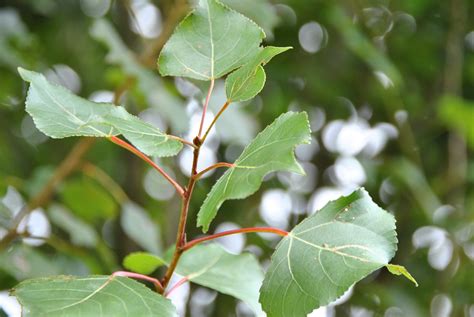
(226, 104)
(210, 168)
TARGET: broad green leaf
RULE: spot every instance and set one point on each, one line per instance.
(247, 81)
(90, 296)
(150, 84)
(99, 204)
(209, 43)
(401, 270)
(142, 262)
(80, 232)
(272, 150)
(138, 225)
(236, 275)
(144, 136)
(59, 113)
(326, 253)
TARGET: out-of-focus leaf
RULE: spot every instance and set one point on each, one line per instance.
(138, 225)
(401, 270)
(90, 296)
(59, 113)
(209, 43)
(326, 253)
(79, 231)
(150, 84)
(11, 26)
(262, 12)
(247, 81)
(270, 151)
(88, 200)
(142, 262)
(458, 114)
(236, 275)
(5, 216)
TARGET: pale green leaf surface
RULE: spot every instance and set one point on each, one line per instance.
(143, 135)
(90, 296)
(326, 253)
(401, 270)
(59, 113)
(236, 275)
(247, 81)
(138, 225)
(5, 216)
(142, 262)
(209, 43)
(151, 85)
(80, 232)
(272, 150)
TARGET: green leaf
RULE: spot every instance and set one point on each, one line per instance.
(142, 262)
(150, 84)
(454, 112)
(5, 216)
(209, 43)
(79, 231)
(326, 253)
(236, 275)
(144, 136)
(59, 113)
(401, 270)
(272, 150)
(247, 81)
(90, 296)
(138, 225)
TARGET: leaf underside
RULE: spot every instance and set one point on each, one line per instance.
(59, 113)
(235, 275)
(210, 42)
(272, 150)
(326, 253)
(90, 296)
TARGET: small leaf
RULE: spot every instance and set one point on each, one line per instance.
(209, 43)
(272, 150)
(142, 262)
(79, 231)
(59, 113)
(144, 136)
(326, 253)
(90, 296)
(247, 81)
(138, 225)
(401, 270)
(236, 275)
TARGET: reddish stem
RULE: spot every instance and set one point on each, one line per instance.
(135, 151)
(195, 242)
(226, 104)
(175, 286)
(210, 168)
(158, 286)
(204, 108)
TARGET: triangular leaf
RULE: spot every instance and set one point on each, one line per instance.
(272, 150)
(326, 253)
(59, 113)
(210, 42)
(236, 275)
(401, 270)
(247, 81)
(142, 262)
(90, 296)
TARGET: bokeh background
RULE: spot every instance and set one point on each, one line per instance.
(389, 88)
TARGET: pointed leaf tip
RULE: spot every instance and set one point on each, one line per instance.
(401, 270)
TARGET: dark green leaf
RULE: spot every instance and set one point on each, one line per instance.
(209, 43)
(326, 253)
(272, 150)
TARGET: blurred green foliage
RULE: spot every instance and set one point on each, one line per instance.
(389, 89)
